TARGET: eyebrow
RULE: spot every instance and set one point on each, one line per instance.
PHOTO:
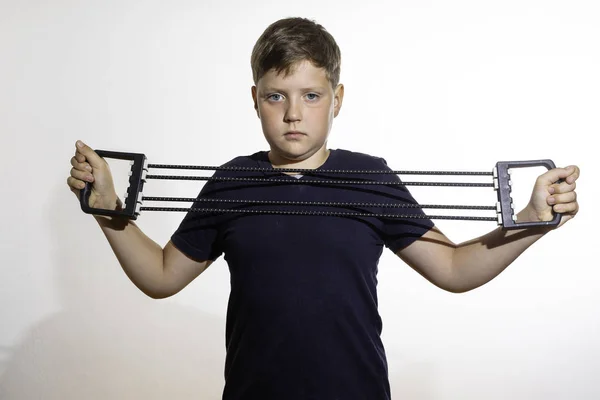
(273, 89)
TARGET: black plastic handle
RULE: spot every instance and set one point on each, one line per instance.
(505, 200)
(136, 185)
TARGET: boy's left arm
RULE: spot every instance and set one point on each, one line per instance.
(466, 266)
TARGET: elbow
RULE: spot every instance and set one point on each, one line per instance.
(457, 283)
(458, 290)
(160, 287)
(450, 286)
(459, 286)
(158, 295)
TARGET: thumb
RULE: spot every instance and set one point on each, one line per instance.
(91, 156)
(554, 175)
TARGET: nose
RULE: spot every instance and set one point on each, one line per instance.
(293, 111)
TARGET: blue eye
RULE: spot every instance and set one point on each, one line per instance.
(313, 94)
(271, 96)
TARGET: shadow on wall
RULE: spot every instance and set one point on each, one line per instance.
(110, 341)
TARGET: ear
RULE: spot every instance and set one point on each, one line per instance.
(254, 98)
(338, 99)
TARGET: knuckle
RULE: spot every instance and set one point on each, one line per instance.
(568, 197)
(563, 197)
(74, 184)
(558, 189)
(76, 173)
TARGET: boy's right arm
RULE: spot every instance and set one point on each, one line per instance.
(157, 272)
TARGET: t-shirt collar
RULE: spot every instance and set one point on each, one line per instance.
(264, 162)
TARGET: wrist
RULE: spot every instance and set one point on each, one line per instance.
(528, 214)
(114, 222)
(112, 203)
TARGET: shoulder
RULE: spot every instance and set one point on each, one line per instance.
(354, 160)
(358, 160)
(237, 167)
(249, 160)
(244, 161)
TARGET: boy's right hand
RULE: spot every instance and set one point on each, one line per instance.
(88, 166)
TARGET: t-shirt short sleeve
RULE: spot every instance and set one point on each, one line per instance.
(198, 233)
(398, 233)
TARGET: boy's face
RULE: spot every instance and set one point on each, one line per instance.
(304, 101)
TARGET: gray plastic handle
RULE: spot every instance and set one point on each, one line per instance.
(136, 184)
(505, 200)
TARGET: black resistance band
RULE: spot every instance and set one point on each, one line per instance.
(500, 182)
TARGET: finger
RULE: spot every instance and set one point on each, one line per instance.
(554, 175)
(562, 187)
(80, 165)
(91, 156)
(75, 184)
(562, 198)
(79, 157)
(82, 175)
(75, 191)
(574, 175)
(569, 208)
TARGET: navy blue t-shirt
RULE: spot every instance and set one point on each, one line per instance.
(302, 318)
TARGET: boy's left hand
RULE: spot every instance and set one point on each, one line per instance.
(548, 195)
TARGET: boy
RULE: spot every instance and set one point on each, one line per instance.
(302, 319)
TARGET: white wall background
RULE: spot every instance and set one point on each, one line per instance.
(429, 85)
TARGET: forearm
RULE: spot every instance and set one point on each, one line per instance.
(480, 260)
(140, 257)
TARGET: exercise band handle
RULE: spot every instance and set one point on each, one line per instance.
(132, 201)
(504, 188)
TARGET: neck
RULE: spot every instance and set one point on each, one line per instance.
(312, 162)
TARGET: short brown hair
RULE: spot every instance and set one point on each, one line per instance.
(288, 41)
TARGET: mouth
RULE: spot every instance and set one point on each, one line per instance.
(294, 134)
